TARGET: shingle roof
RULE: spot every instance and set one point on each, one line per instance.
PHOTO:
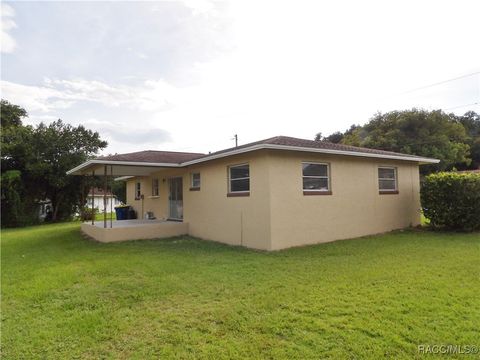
(171, 157)
(154, 156)
(303, 143)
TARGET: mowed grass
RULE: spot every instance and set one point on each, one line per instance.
(100, 216)
(375, 297)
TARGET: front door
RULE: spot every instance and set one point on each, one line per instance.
(175, 198)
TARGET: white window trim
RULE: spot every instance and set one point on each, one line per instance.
(230, 179)
(329, 186)
(395, 179)
(192, 185)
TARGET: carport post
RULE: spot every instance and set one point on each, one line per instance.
(92, 189)
(111, 199)
(105, 197)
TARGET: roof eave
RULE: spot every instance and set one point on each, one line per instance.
(420, 160)
(77, 170)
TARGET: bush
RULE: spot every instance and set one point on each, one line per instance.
(86, 213)
(452, 200)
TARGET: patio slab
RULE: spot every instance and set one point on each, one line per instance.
(124, 230)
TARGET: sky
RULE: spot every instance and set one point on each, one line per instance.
(188, 75)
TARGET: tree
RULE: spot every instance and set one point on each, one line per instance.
(14, 211)
(420, 132)
(11, 115)
(471, 122)
(40, 158)
(353, 136)
(15, 207)
(336, 137)
(58, 148)
(119, 189)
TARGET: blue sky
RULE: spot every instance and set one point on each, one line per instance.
(188, 75)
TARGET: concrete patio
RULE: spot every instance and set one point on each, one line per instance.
(123, 230)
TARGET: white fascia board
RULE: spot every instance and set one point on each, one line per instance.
(422, 160)
(123, 178)
(112, 162)
(225, 154)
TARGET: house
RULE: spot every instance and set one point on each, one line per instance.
(96, 198)
(44, 209)
(270, 194)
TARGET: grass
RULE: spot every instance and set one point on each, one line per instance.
(67, 297)
(99, 216)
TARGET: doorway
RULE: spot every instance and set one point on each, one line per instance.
(175, 198)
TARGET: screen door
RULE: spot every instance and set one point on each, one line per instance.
(175, 198)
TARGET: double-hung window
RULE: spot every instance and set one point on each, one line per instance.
(195, 181)
(239, 179)
(316, 178)
(155, 187)
(138, 191)
(387, 180)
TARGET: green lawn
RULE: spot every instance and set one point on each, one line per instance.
(100, 216)
(67, 297)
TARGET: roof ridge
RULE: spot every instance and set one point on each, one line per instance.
(359, 148)
(174, 152)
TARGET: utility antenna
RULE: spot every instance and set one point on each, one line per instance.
(235, 137)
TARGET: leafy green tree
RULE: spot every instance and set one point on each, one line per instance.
(59, 147)
(353, 136)
(34, 163)
(336, 137)
(119, 189)
(471, 122)
(11, 115)
(16, 210)
(420, 132)
(16, 207)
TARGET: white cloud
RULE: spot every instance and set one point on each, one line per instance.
(7, 42)
(33, 98)
(296, 69)
(59, 94)
(126, 134)
(202, 7)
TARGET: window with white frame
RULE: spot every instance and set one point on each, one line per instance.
(138, 191)
(195, 181)
(239, 178)
(316, 176)
(155, 187)
(387, 179)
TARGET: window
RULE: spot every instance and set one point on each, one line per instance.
(195, 181)
(239, 179)
(316, 178)
(387, 180)
(138, 191)
(155, 189)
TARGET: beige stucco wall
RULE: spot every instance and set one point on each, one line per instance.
(209, 213)
(158, 205)
(355, 207)
(277, 215)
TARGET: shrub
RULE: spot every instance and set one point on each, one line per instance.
(86, 213)
(452, 200)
